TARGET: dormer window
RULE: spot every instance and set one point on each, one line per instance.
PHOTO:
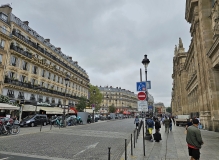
(4, 17)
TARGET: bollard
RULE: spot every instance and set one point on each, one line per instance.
(137, 134)
(131, 146)
(125, 149)
(143, 139)
(41, 125)
(108, 153)
(51, 125)
(134, 138)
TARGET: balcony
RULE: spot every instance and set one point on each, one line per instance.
(21, 51)
(18, 35)
(5, 32)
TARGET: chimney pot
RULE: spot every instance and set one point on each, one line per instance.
(58, 48)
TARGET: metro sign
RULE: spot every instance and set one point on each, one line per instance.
(142, 96)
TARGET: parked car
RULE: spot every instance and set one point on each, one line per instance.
(103, 118)
(34, 120)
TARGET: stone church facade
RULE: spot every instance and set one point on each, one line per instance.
(196, 72)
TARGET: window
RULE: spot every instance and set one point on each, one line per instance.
(33, 81)
(43, 73)
(34, 70)
(24, 65)
(4, 17)
(11, 75)
(21, 95)
(32, 97)
(13, 61)
(23, 78)
(2, 44)
(0, 58)
(10, 93)
(49, 75)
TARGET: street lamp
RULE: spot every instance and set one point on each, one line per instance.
(94, 92)
(66, 84)
(146, 62)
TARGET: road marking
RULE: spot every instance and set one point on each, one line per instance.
(31, 156)
(87, 147)
(4, 158)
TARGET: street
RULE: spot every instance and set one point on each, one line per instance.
(90, 141)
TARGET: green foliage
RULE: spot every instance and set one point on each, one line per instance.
(95, 98)
(4, 99)
(112, 109)
(169, 109)
(82, 104)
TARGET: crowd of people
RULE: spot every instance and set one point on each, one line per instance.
(193, 134)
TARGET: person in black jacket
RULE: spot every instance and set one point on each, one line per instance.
(157, 136)
(157, 125)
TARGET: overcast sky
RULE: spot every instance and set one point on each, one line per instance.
(109, 38)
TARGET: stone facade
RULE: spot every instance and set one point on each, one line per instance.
(122, 99)
(196, 86)
(29, 62)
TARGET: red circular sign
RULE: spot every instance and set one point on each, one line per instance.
(142, 96)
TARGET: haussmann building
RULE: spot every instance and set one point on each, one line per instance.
(34, 71)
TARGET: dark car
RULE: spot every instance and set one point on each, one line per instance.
(34, 120)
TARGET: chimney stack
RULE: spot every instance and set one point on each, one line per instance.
(48, 40)
(26, 22)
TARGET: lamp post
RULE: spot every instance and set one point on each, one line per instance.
(93, 107)
(66, 84)
(146, 62)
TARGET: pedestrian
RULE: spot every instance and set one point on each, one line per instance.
(173, 120)
(166, 122)
(194, 140)
(157, 136)
(163, 120)
(199, 124)
(170, 124)
(136, 122)
(150, 124)
(157, 125)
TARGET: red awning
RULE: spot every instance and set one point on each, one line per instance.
(73, 110)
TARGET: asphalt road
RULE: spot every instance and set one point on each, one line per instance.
(84, 142)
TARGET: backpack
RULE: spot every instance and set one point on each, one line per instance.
(150, 123)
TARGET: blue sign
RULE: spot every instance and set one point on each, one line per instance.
(150, 107)
(141, 86)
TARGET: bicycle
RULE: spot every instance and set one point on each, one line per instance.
(57, 123)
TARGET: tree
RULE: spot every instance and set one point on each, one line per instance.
(112, 109)
(169, 109)
(95, 97)
(82, 104)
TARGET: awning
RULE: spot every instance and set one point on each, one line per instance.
(5, 106)
(51, 110)
(73, 110)
(29, 108)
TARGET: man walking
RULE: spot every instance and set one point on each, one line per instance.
(194, 140)
(136, 121)
(166, 122)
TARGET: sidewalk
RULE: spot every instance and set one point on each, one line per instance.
(173, 146)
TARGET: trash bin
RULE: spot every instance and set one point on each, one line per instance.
(96, 119)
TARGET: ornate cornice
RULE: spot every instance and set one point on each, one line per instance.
(191, 80)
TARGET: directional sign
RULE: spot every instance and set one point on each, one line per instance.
(148, 84)
(141, 86)
(142, 96)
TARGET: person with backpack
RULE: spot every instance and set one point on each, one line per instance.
(136, 121)
(150, 124)
(157, 125)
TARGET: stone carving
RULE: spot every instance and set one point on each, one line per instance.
(180, 43)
